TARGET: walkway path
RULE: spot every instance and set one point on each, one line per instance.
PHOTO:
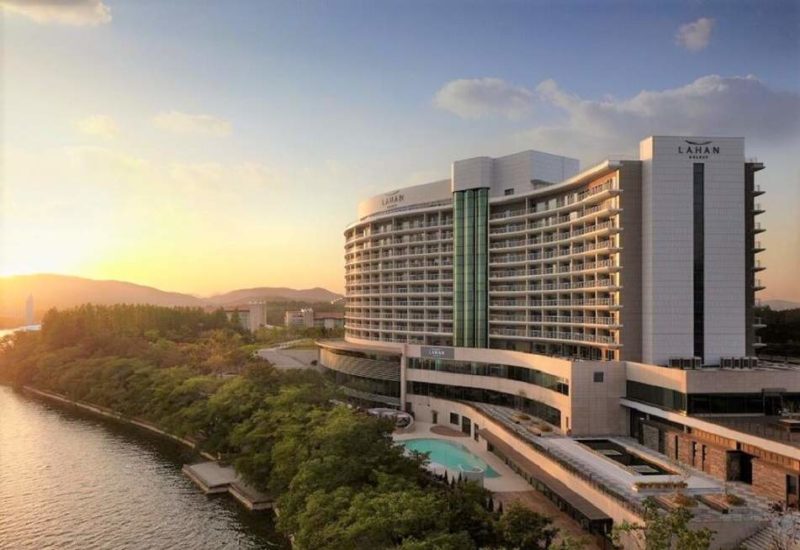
(612, 476)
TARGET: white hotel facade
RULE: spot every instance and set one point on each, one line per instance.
(602, 301)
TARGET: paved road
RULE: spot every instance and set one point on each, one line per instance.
(289, 358)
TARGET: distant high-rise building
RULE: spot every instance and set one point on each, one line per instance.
(258, 315)
(29, 318)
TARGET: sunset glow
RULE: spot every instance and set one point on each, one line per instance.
(137, 152)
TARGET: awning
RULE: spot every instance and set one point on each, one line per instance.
(576, 501)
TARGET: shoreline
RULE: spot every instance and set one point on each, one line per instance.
(250, 498)
(113, 415)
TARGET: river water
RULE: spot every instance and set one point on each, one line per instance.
(72, 481)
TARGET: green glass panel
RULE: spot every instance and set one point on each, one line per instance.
(470, 273)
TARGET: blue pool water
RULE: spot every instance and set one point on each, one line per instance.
(448, 454)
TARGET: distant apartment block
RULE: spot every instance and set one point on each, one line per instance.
(308, 318)
(251, 316)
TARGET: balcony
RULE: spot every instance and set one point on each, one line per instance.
(507, 229)
(578, 337)
(508, 244)
(507, 214)
(758, 209)
(507, 318)
(507, 288)
(758, 285)
(758, 228)
(758, 322)
(758, 247)
(757, 190)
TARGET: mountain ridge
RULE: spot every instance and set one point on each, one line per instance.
(62, 291)
(780, 305)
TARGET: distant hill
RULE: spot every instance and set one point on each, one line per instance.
(63, 291)
(245, 295)
(780, 305)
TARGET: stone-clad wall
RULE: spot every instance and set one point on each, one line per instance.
(769, 480)
(716, 461)
(650, 437)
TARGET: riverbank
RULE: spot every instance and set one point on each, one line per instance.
(73, 479)
(204, 474)
(114, 415)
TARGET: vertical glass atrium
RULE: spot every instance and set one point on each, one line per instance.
(470, 269)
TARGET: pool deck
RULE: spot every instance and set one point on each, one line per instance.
(507, 481)
(508, 487)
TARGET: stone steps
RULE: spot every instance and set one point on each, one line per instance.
(761, 540)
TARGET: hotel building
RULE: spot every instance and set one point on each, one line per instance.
(616, 300)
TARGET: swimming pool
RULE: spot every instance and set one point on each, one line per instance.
(448, 454)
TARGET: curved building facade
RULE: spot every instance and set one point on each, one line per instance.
(523, 265)
(524, 268)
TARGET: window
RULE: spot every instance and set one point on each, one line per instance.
(598, 376)
(791, 491)
(699, 257)
(522, 374)
(460, 393)
(508, 192)
(656, 395)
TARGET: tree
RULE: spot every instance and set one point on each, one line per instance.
(380, 517)
(523, 529)
(568, 543)
(439, 541)
(468, 512)
(663, 531)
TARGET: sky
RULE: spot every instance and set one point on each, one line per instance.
(202, 146)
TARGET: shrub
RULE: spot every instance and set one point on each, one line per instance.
(733, 500)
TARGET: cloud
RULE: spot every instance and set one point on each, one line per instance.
(109, 164)
(484, 97)
(98, 125)
(113, 166)
(211, 175)
(63, 12)
(183, 123)
(711, 105)
(696, 35)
